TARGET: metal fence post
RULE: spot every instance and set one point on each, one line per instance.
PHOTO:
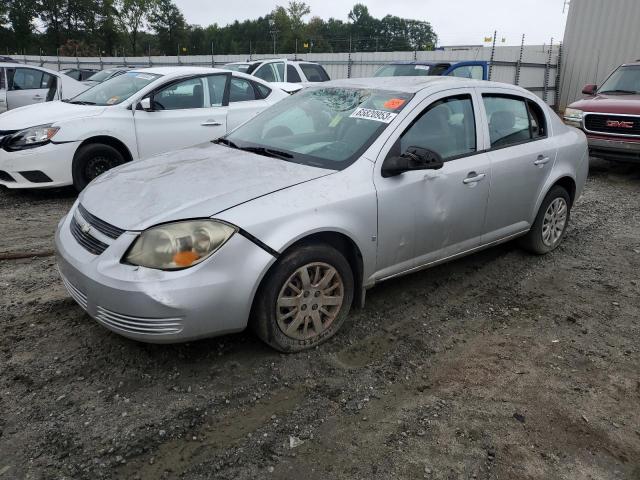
(349, 60)
(493, 53)
(547, 67)
(519, 64)
(558, 78)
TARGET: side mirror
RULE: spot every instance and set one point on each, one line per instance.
(145, 104)
(415, 158)
(590, 89)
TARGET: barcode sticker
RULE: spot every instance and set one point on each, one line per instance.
(375, 115)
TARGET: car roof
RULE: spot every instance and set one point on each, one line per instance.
(408, 62)
(410, 84)
(26, 65)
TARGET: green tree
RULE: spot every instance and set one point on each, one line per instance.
(21, 14)
(169, 23)
(132, 17)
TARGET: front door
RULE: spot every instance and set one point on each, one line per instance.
(28, 86)
(429, 215)
(185, 113)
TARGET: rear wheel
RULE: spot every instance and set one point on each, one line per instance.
(305, 299)
(550, 224)
(93, 160)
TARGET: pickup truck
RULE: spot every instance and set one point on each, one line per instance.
(610, 115)
(477, 70)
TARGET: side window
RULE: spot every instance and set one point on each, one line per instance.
(314, 73)
(447, 127)
(181, 95)
(266, 73)
(292, 74)
(216, 85)
(2, 85)
(474, 72)
(279, 66)
(263, 90)
(241, 90)
(508, 120)
(538, 120)
(27, 79)
(47, 81)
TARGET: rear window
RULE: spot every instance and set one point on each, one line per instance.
(314, 72)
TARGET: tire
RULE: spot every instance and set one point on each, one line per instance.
(92, 160)
(546, 235)
(292, 325)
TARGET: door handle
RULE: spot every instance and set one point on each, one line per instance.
(211, 123)
(542, 160)
(474, 178)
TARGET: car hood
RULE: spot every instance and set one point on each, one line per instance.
(622, 104)
(195, 182)
(44, 113)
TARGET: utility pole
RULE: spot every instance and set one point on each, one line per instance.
(274, 34)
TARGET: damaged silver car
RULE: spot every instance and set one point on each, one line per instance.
(284, 223)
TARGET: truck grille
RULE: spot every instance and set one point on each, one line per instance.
(84, 238)
(612, 124)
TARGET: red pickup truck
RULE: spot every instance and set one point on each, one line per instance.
(610, 115)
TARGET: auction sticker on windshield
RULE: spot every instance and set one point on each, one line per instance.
(375, 115)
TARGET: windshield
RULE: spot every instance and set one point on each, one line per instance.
(237, 67)
(115, 90)
(324, 127)
(101, 76)
(624, 80)
(403, 71)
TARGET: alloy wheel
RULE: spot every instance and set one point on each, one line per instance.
(309, 301)
(555, 221)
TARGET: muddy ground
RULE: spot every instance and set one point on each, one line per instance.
(498, 366)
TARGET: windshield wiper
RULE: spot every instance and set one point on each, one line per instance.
(224, 141)
(268, 152)
(80, 102)
(623, 92)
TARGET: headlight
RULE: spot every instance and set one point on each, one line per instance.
(573, 116)
(179, 245)
(32, 137)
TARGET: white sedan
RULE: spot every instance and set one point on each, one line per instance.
(135, 115)
(22, 85)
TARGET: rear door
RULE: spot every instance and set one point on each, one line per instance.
(28, 86)
(246, 100)
(185, 112)
(522, 154)
(3, 90)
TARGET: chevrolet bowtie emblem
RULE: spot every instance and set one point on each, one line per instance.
(86, 228)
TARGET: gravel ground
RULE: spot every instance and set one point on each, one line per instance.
(500, 365)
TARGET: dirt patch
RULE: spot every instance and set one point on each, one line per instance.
(499, 365)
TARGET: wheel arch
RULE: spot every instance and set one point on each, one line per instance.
(107, 140)
(569, 184)
(338, 240)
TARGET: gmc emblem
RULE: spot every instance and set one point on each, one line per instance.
(619, 124)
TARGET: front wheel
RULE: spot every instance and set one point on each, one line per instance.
(550, 224)
(91, 161)
(305, 299)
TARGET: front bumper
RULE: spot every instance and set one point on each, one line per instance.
(614, 148)
(53, 160)
(212, 298)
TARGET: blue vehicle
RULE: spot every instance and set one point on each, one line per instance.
(477, 70)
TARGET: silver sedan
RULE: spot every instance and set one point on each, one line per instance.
(284, 223)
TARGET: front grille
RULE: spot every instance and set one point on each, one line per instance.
(130, 324)
(77, 295)
(100, 225)
(606, 124)
(89, 242)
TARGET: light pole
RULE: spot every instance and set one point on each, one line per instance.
(274, 33)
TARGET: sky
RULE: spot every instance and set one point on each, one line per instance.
(457, 22)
